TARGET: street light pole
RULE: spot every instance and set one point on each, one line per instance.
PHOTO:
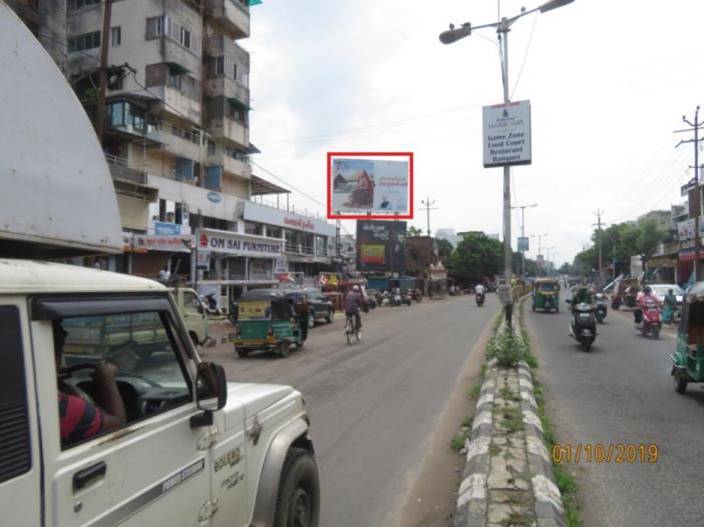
(523, 232)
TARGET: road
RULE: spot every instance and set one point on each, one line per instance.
(622, 392)
(374, 404)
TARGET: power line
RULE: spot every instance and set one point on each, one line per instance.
(315, 200)
(525, 55)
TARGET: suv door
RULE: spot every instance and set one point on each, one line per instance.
(156, 469)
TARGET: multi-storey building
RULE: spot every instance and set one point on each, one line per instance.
(47, 20)
(176, 137)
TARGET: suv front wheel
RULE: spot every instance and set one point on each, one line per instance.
(298, 504)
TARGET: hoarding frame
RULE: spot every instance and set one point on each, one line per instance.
(330, 213)
(523, 105)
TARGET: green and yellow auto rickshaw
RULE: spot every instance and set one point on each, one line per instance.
(688, 360)
(266, 320)
(546, 294)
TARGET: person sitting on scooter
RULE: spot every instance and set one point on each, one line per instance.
(644, 298)
(581, 295)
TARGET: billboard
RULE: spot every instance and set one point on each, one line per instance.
(507, 134)
(380, 245)
(523, 244)
(362, 187)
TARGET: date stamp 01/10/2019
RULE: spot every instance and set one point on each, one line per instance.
(605, 453)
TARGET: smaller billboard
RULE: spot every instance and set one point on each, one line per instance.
(507, 134)
(370, 185)
(540, 261)
(523, 244)
(380, 245)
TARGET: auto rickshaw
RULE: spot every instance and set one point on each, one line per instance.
(688, 360)
(546, 294)
(266, 320)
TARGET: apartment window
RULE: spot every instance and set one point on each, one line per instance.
(185, 38)
(174, 80)
(125, 114)
(116, 36)
(77, 4)
(254, 228)
(155, 27)
(84, 42)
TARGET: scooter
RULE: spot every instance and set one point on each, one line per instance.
(396, 299)
(479, 298)
(583, 325)
(650, 323)
(601, 309)
(406, 298)
(417, 296)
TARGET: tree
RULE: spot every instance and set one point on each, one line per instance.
(476, 256)
(414, 231)
(445, 249)
(565, 268)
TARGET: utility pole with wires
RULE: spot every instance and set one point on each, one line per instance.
(598, 224)
(427, 207)
(695, 208)
(103, 88)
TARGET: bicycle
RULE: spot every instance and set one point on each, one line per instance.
(350, 330)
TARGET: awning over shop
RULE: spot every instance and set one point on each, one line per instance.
(262, 187)
(665, 260)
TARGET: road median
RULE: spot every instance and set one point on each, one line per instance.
(508, 477)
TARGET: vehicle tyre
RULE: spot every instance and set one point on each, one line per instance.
(194, 338)
(656, 333)
(311, 320)
(533, 308)
(283, 348)
(298, 345)
(348, 332)
(241, 352)
(680, 382)
(331, 317)
(298, 503)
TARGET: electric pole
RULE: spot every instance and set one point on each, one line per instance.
(696, 207)
(427, 207)
(103, 88)
(598, 236)
(523, 233)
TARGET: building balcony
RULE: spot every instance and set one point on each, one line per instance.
(229, 164)
(177, 103)
(120, 170)
(232, 15)
(182, 59)
(226, 87)
(230, 130)
(183, 143)
(299, 249)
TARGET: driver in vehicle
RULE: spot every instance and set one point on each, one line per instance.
(79, 419)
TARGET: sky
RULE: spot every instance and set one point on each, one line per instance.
(608, 83)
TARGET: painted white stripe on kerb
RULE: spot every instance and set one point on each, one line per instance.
(478, 446)
(527, 396)
(536, 446)
(546, 490)
(487, 398)
(489, 385)
(472, 488)
(525, 383)
(532, 419)
(483, 418)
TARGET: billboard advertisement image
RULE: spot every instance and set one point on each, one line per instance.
(364, 187)
(507, 134)
(380, 245)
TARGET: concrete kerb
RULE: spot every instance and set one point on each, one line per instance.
(475, 492)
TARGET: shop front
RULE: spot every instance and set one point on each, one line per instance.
(232, 263)
(149, 255)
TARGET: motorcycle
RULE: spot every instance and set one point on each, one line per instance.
(650, 323)
(417, 296)
(406, 298)
(583, 325)
(479, 298)
(601, 309)
(396, 299)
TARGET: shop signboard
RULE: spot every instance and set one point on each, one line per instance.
(168, 243)
(235, 244)
(380, 245)
(370, 185)
(523, 244)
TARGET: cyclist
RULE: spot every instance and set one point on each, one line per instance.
(354, 301)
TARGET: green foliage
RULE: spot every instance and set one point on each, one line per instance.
(445, 249)
(621, 240)
(414, 231)
(476, 256)
(508, 349)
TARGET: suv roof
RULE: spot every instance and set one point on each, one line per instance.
(25, 276)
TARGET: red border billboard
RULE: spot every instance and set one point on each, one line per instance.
(332, 216)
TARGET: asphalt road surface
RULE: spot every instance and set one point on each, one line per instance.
(622, 393)
(373, 404)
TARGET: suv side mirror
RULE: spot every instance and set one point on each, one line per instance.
(211, 387)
